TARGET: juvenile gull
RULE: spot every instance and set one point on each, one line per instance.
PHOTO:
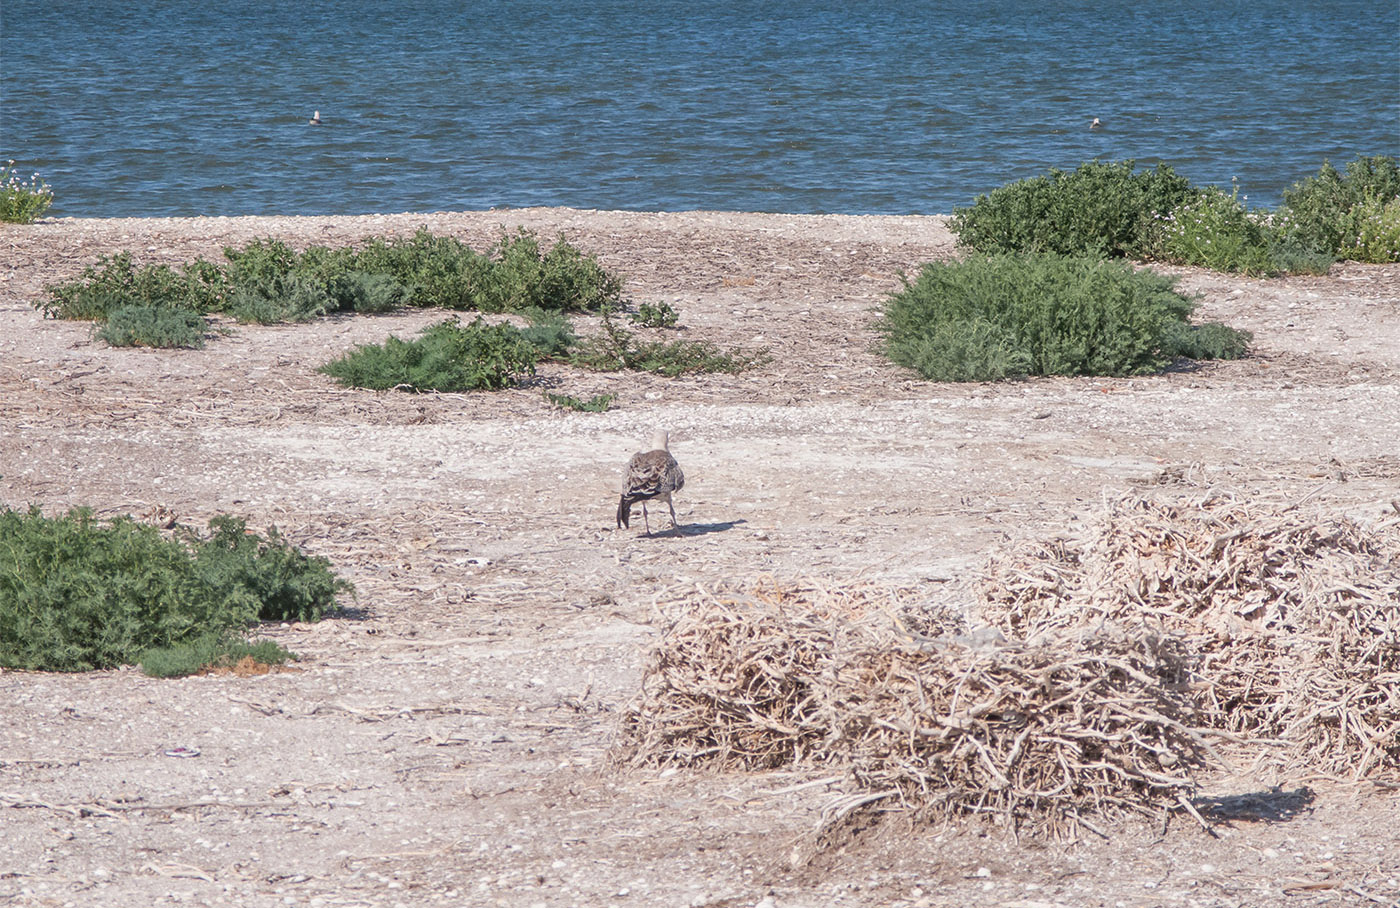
(650, 474)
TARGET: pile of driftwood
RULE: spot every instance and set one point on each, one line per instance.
(1044, 736)
(1292, 620)
(1113, 662)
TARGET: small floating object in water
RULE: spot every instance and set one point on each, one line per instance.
(316, 119)
(1094, 124)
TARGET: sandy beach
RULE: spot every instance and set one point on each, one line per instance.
(448, 743)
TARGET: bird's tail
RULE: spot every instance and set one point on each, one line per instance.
(624, 512)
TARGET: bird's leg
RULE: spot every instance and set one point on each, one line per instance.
(644, 518)
(674, 525)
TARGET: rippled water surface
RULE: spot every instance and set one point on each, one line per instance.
(177, 108)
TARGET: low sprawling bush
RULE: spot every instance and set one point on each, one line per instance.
(212, 651)
(117, 283)
(598, 403)
(445, 357)
(153, 326)
(21, 201)
(994, 317)
(1098, 209)
(516, 274)
(78, 593)
(287, 584)
(267, 281)
(550, 333)
(1352, 215)
(437, 271)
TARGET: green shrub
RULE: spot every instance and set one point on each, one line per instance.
(296, 297)
(1098, 209)
(550, 333)
(1215, 230)
(288, 584)
(1211, 340)
(446, 357)
(368, 293)
(210, 651)
(261, 267)
(990, 318)
(21, 201)
(515, 275)
(662, 315)
(78, 594)
(599, 403)
(272, 283)
(153, 326)
(269, 282)
(1345, 215)
(1290, 257)
(116, 283)
(436, 271)
(561, 278)
(1377, 232)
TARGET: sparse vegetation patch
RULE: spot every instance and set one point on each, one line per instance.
(598, 403)
(153, 326)
(615, 349)
(212, 652)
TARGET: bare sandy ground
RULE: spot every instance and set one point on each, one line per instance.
(447, 743)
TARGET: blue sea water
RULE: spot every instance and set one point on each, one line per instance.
(167, 107)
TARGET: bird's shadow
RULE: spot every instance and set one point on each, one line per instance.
(694, 529)
(1273, 806)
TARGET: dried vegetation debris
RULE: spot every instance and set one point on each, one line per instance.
(1042, 736)
(1172, 623)
(1293, 617)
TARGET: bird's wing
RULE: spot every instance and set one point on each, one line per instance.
(652, 473)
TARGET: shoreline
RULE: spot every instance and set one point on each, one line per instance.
(466, 219)
(643, 246)
(448, 212)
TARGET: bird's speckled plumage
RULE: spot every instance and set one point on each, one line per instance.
(650, 475)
